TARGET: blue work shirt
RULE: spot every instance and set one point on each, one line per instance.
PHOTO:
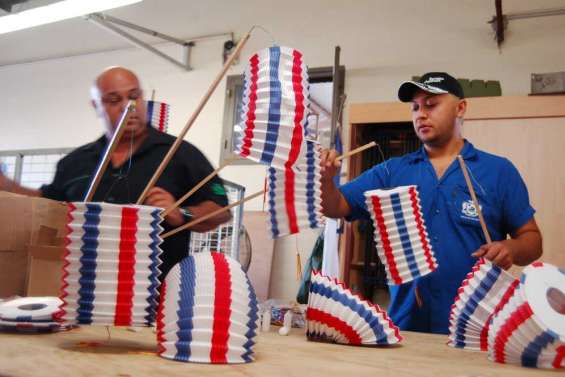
(451, 221)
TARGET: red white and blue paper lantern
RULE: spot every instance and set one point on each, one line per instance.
(401, 238)
(111, 264)
(275, 108)
(530, 328)
(485, 291)
(293, 195)
(31, 314)
(158, 115)
(208, 311)
(336, 315)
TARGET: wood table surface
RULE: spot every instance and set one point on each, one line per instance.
(87, 351)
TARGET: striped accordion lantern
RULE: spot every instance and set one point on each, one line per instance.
(400, 235)
(274, 132)
(31, 315)
(482, 295)
(275, 108)
(110, 273)
(293, 195)
(336, 315)
(158, 115)
(530, 329)
(208, 311)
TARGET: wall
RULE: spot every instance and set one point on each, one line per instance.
(45, 104)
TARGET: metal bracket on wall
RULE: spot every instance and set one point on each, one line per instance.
(499, 22)
(110, 23)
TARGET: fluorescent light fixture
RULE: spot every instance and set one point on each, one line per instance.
(59, 11)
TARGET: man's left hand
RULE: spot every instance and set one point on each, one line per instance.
(158, 197)
(498, 253)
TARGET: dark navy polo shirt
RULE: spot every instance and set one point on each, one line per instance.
(124, 184)
(451, 221)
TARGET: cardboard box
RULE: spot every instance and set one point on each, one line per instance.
(45, 271)
(25, 222)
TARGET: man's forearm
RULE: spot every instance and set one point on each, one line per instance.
(205, 208)
(333, 203)
(526, 247)
(9, 185)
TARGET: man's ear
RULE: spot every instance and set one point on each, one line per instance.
(98, 108)
(461, 108)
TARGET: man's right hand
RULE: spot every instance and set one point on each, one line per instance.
(333, 203)
(6, 184)
(329, 164)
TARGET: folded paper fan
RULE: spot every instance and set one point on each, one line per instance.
(208, 311)
(110, 273)
(485, 291)
(530, 329)
(335, 314)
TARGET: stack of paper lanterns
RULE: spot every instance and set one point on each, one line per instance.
(274, 123)
(30, 314)
(111, 264)
(530, 329)
(208, 311)
(517, 321)
(401, 238)
(335, 314)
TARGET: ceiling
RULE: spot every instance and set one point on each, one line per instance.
(391, 22)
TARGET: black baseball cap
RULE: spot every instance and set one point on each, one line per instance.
(431, 82)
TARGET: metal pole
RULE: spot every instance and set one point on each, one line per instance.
(100, 21)
(141, 29)
(335, 96)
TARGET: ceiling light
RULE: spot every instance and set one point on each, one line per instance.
(59, 11)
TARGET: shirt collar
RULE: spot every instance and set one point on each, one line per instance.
(154, 137)
(468, 152)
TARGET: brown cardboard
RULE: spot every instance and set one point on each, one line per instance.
(45, 271)
(25, 221)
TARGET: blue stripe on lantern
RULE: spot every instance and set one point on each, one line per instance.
(404, 237)
(275, 99)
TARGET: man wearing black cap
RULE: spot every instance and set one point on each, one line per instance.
(452, 222)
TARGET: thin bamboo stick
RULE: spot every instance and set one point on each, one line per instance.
(356, 150)
(196, 188)
(211, 214)
(193, 117)
(118, 133)
(218, 211)
(474, 197)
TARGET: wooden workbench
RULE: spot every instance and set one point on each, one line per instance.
(88, 352)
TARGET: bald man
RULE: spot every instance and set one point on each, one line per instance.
(134, 161)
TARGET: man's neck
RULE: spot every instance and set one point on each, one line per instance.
(127, 146)
(447, 150)
(441, 157)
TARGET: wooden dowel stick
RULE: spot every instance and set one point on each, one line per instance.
(109, 150)
(195, 188)
(218, 211)
(474, 197)
(192, 119)
(356, 150)
(211, 214)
